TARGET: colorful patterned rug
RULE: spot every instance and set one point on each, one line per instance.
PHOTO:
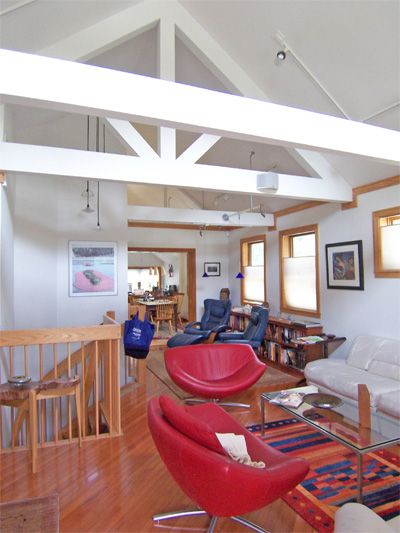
(332, 480)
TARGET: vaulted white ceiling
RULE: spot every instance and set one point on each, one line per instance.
(343, 59)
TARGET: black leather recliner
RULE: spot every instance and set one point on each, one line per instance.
(214, 320)
(253, 334)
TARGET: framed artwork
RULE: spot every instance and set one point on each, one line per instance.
(212, 269)
(92, 268)
(344, 265)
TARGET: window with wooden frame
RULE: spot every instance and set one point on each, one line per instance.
(252, 265)
(386, 226)
(299, 270)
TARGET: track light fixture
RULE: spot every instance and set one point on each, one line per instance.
(281, 56)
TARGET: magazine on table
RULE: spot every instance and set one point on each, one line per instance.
(289, 398)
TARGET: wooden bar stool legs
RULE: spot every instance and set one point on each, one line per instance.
(49, 390)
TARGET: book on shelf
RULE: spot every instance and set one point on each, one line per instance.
(309, 339)
(305, 324)
(289, 399)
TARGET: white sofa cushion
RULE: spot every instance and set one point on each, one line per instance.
(343, 379)
(389, 403)
(386, 360)
(363, 350)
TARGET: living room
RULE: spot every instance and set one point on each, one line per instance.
(337, 191)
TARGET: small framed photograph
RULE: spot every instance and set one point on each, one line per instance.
(212, 269)
(344, 265)
(92, 268)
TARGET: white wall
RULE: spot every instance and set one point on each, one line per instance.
(376, 309)
(48, 216)
(7, 256)
(35, 253)
(213, 246)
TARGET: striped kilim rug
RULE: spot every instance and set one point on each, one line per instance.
(332, 480)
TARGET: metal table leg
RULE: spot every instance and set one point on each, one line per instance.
(262, 407)
(359, 478)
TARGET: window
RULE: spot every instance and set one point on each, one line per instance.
(252, 265)
(299, 270)
(386, 224)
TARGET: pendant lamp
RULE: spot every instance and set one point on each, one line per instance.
(87, 192)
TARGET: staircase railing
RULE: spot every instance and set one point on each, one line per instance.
(92, 353)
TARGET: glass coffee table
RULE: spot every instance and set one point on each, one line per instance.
(336, 426)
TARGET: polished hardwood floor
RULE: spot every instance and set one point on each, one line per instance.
(117, 484)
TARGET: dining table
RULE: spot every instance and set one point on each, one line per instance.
(151, 304)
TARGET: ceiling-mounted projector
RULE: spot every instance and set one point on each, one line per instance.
(267, 181)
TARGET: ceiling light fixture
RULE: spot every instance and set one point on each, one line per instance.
(98, 182)
(280, 56)
(87, 192)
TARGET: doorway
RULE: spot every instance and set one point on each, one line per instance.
(190, 272)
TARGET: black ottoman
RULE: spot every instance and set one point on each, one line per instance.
(184, 339)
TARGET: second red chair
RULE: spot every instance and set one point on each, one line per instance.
(214, 371)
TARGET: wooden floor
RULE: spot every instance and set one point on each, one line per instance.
(117, 484)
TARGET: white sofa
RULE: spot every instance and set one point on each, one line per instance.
(373, 361)
(357, 518)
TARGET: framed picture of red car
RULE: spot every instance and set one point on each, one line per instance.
(344, 265)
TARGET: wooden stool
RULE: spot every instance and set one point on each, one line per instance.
(52, 389)
(25, 399)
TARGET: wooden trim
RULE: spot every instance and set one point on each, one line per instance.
(362, 189)
(369, 187)
(376, 216)
(170, 225)
(244, 257)
(191, 271)
(25, 337)
(285, 252)
(295, 208)
(2, 177)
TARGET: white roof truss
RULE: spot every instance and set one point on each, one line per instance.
(46, 82)
(80, 163)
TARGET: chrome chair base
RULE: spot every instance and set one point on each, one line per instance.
(191, 401)
(213, 522)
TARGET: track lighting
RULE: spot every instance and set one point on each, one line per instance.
(281, 56)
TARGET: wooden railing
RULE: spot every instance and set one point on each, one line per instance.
(92, 353)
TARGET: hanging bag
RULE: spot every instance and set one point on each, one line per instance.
(138, 335)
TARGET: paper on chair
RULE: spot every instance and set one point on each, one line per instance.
(235, 446)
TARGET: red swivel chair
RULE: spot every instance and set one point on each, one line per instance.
(214, 371)
(219, 486)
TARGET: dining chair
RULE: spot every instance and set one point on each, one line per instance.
(179, 301)
(164, 313)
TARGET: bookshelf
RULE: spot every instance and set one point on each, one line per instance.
(282, 346)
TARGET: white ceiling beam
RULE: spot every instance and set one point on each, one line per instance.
(197, 216)
(46, 82)
(198, 148)
(130, 22)
(318, 164)
(131, 138)
(166, 71)
(223, 66)
(212, 55)
(98, 165)
(107, 33)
